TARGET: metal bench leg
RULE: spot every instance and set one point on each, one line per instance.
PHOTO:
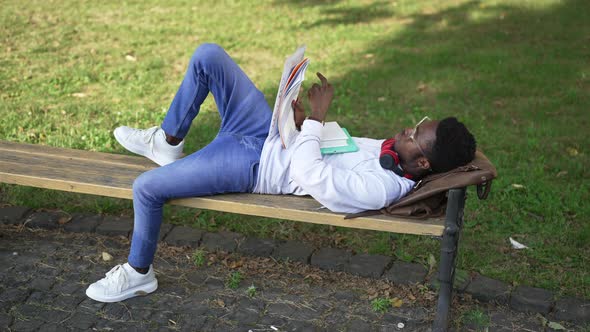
(448, 255)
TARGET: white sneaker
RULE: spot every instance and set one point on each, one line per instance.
(150, 143)
(122, 282)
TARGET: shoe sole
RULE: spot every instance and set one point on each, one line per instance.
(140, 290)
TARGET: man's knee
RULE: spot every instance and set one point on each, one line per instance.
(145, 187)
(207, 54)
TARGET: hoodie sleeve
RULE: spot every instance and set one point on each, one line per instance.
(340, 190)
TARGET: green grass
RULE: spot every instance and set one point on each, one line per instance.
(251, 291)
(516, 72)
(199, 257)
(380, 304)
(233, 280)
(476, 319)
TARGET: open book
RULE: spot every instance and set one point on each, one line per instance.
(334, 138)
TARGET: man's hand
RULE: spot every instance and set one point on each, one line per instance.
(320, 98)
(298, 112)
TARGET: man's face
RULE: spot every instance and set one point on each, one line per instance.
(411, 143)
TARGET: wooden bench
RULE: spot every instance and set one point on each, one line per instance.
(112, 175)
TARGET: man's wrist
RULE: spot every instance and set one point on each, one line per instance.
(315, 118)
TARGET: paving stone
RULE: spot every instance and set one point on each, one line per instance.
(184, 236)
(41, 283)
(13, 295)
(244, 316)
(41, 297)
(366, 265)
(297, 325)
(257, 247)
(280, 309)
(13, 215)
(304, 314)
(222, 241)
(67, 287)
(117, 311)
(573, 310)
(82, 223)
(161, 317)
(331, 259)
(404, 273)
(115, 226)
(69, 302)
(347, 297)
(46, 219)
(90, 306)
(55, 327)
(487, 289)
(49, 315)
(82, 320)
(196, 277)
(358, 325)
(214, 283)
(192, 323)
(164, 230)
(5, 319)
(293, 251)
(26, 325)
(530, 299)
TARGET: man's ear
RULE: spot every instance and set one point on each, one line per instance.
(423, 163)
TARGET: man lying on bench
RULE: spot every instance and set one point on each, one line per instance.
(245, 157)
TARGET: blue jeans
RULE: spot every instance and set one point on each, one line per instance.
(228, 164)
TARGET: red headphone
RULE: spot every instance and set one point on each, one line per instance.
(389, 159)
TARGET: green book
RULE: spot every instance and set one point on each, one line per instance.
(348, 146)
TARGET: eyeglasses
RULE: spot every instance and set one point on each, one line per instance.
(414, 132)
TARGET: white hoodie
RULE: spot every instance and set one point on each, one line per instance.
(344, 182)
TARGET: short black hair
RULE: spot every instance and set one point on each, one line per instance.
(454, 146)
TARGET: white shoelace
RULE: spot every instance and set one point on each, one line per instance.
(151, 139)
(116, 278)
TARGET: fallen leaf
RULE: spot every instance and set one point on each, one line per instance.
(106, 256)
(396, 303)
(572, 151)
(500, 104)
(556, 326)
(64, 219)
(431, 262)
(313, 276)
(561, 173)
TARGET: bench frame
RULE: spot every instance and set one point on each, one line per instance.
(14, 155)
(448, 257)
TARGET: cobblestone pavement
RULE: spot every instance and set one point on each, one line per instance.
(45, 273)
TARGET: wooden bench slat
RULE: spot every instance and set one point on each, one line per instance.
(108, 158)
(112, 175)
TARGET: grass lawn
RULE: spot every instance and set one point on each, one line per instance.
(516, 72)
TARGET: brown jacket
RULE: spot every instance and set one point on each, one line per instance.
(428, 197)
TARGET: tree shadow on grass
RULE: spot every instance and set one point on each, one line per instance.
(334, 13)
(519, 77)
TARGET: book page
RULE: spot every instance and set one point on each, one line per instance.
(290, 64)
(333, 131)
(287, 128)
